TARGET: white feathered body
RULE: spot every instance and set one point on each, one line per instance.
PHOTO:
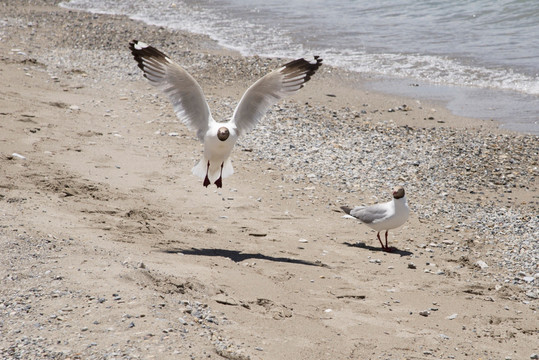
(386, 216)
(217, 152)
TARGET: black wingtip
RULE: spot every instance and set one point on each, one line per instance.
(145, 51)
(302, 64)
(132, 44)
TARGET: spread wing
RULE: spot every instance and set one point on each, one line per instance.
(184, 92)
(271, 88)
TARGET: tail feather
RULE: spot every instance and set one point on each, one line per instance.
(201, 168)
(227, 168)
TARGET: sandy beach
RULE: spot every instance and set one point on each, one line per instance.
(112, 249)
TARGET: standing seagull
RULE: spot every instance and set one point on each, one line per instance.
(386, 216)
(191, 107)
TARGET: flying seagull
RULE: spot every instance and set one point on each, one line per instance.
(191, 107)
(386, 216)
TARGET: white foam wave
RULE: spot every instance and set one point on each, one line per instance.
(252, 39)
(433, 69)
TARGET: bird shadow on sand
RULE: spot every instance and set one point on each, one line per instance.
(378, 248)
(238, 256)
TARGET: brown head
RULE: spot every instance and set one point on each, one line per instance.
(223, 133)
(398, 192)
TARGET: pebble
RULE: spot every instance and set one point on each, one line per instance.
(18, 156)
(481, 264)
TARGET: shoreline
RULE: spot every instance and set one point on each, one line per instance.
(506, 107)
(485, 105)
(113, 249)
(355, 87)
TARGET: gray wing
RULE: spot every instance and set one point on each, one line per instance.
(181, 88)
(270, 89)
(370, 214)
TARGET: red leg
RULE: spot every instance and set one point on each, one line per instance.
(381, 243)
(387, 248)
(219, 182)
(207, 179)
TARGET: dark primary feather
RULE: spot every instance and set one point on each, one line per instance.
(148, 54)
(301, 67)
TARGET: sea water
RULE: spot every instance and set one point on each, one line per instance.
(479, 57)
